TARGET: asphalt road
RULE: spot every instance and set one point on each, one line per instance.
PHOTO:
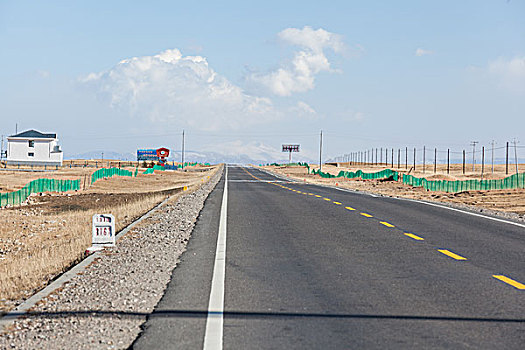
(317, 267)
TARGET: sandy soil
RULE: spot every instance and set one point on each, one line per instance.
(510, 201)
(49, 232)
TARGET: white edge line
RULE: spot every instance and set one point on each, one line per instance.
(461, 211)
(417, 201)
(214, 323)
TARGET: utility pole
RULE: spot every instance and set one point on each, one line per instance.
(414, 159)
(473, 144)
(507, 160)
(435, 159)
(482, 161)
(493, 155)
(16, 128)
(406, 157)
(182, 150)
(321, 151)
(516, 154)
(424, 151)
(448, 161)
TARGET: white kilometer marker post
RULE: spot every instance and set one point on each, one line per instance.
(214, 323)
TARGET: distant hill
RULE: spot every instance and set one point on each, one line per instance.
(264, 156)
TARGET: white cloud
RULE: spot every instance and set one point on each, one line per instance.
(170, 87)
(44, 74)
(352, 116)
(509, 73)
(422, 52)
(302, 110)
(299, 74)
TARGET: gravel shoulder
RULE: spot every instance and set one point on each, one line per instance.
(105, 306)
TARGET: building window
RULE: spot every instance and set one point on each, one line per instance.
(31, 154)
(31, 143)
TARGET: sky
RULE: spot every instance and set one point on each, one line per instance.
(245, 77)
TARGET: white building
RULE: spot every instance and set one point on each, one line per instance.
(32, 147)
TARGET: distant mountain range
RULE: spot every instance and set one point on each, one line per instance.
(197, 156)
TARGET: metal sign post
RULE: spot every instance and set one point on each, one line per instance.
(290, 149)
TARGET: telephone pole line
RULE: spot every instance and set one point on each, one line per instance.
(492, 143)
(182, 150)
(516, 154)
(473, 144)
(321, 151)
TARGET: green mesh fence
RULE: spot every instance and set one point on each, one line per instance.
(110, 172)
(38, 186)
(511, 182)
(383, 174)
(151, 170)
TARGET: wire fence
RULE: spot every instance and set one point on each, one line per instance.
(478, 158)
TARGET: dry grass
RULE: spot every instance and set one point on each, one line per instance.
(40, 240)
(501, 200)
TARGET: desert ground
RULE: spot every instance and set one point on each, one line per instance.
(506, 201)
(49, 232)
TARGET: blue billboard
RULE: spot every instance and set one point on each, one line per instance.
(147, 154)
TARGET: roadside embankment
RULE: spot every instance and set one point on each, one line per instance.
(104, 307)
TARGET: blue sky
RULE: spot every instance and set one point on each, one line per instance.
(373, 74)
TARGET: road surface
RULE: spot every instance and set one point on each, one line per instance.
(299, 266)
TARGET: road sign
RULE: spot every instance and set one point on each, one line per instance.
(103, 229)
(290, 149)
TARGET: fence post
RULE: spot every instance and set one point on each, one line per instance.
(482, 161)
(448, 161)
(398, 158)
(424, 151)
(414, 159)
(507, 160)
(392, 158)
(435, 159)
(463, 162)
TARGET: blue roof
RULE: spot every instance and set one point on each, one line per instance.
(35, 134)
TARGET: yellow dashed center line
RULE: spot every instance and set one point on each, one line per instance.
(510, 281)
(411, 235)
(386, 224)
(367, 215)
(337, 203)
(310, 194)
(327, 199)
(318, 196)
(349, 208)
(452, 255)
